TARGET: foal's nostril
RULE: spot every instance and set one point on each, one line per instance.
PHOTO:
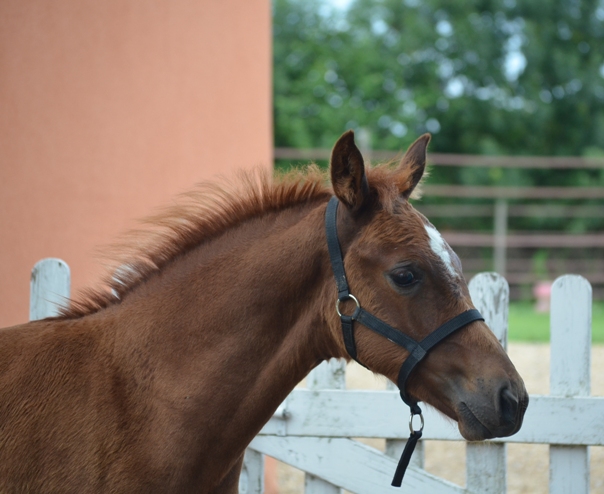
(508, 406)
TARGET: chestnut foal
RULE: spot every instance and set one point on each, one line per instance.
(158, 381)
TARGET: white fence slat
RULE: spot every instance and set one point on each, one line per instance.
(330, 374)
(570, 326)
(500, 228)
(570, 336)
(352, 413)
(490, 293)
(568, 469)
(50, 285)
(486, 467)
(316, 485)
(251, 480)
(486, 462)
(327, 375)
(557, 420)
(349, 464)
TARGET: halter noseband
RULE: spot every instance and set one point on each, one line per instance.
(417, 349)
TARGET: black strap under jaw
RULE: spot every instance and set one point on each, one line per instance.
(417, 350)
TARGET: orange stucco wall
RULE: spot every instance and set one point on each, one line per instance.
(107, 109)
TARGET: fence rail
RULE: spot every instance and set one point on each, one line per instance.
(451, 159)
(495, 192)
(520, 240)
(500, 210)
(514, 210)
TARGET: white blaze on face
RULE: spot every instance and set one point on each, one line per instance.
(441, 249)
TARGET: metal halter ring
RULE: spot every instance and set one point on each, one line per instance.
(421, 417)
(350, 295)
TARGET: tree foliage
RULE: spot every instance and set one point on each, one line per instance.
(495, 77)
(490, 76)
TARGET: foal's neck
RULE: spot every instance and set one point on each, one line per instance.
(232, 327)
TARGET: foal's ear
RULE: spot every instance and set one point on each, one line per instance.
(413, 165)
(348, 173)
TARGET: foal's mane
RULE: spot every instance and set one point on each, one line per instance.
(199, 215)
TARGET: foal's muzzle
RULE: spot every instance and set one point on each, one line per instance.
(497, 414)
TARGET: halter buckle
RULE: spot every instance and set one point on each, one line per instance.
(421, 418)
(350, 296)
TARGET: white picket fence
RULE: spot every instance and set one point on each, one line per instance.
(312, 429)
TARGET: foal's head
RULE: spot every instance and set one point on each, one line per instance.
(401, 270)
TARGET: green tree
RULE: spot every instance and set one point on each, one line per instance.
(502, 77)
(491, 76)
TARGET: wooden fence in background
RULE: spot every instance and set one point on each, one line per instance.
(501, 240)
(450, 159)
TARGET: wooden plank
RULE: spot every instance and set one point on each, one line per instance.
(486, 467)
(490, 192)
(592, 271)
(519, 210)
(486, 462)
(451, 159)
(49, 288)
(524, 278)
(570, 336)
(568, 469)
(570, 325)
(556, 211)
(558, 420)
(454, 210)
(547, 162)
(251, 480)
(330, 374)
(523, 264)
(500, 229)
(491, 295)
(349, 464)
(352, 413)
(540, 240)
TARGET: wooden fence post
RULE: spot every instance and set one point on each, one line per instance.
(50, 286)
(570, 326)
(500, 238)
(251, 480)
(328, 375)
(486, 462)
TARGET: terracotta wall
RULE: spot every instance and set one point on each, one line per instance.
(107, 109)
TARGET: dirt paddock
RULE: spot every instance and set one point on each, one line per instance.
(528, 464)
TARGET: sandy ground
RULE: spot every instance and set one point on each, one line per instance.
(528, 464)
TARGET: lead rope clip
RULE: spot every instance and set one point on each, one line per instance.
(414, 436)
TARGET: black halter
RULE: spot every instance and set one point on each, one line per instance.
(417, 349)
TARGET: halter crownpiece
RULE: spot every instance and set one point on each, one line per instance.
(417, 349)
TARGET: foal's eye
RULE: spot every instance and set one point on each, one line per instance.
(403, 277)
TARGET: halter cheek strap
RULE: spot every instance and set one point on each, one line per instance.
(417, 349)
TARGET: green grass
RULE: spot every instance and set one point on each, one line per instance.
(528, 325)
